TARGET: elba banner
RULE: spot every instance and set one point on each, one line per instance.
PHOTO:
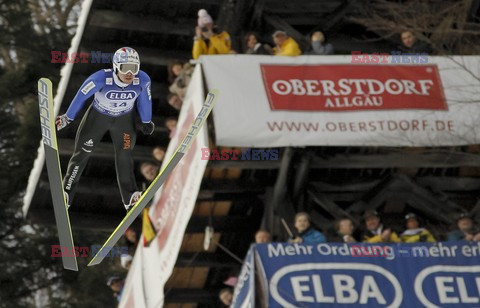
(244, 293)
(331, 100)
(171, 208)
(370, 275)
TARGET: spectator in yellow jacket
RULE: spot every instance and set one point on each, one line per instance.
(414, 233)
(208, 39)
(375, 231)
(285, 45)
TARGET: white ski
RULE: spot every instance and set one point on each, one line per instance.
(148, 194)
(49, 138)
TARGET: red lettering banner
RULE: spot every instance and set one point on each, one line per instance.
(353, 87)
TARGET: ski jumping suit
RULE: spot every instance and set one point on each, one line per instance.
(111, 111)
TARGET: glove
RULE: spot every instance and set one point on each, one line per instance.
(62, 121)
(148, 128)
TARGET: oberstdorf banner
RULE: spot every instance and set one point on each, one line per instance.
(334, 100)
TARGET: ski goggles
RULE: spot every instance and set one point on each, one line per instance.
(124, 68)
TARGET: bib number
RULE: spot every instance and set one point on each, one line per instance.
(116, 105)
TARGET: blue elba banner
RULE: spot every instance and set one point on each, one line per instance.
(369, 275)
(244, 293)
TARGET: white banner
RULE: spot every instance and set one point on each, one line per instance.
(272, 101)
(172, 208)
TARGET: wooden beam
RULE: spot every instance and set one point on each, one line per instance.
(205, 259)
(149, 24)
(108, 222)
(231, 224)
(442, 183)
(331, 207)
(427, 159)
(199, 296)
(337, 14)
(301, 7)
(301, 179)
(234, 186)
(353, 186)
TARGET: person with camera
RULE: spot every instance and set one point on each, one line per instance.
(209, 40)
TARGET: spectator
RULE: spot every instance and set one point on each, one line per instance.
(180, 83)
(254, 46)
(262, 237)
(226, 296)
(171, 125)
(175, 101)
(466, 231)
(414, 233)
(306, 234)
(411, 44)
(319, 47)
(344, 231)
(126, 261)
(375, 232)
(285, 45)
(131, 239)
(116, 284)
(158, 154)
(174, 69)
(149, 170)
(209, 40)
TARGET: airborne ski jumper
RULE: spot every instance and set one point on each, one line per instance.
(115, 92)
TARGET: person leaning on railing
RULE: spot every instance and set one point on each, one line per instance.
(414, 233)
(344, 231)
(305, 232)
(285, 45)
(466, 229)
(376, 232)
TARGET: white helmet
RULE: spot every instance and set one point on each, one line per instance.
(126, 60)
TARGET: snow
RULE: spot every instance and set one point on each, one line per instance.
(62, 87)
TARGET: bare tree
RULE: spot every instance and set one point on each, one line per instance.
(448, 26)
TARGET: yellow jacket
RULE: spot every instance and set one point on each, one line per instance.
(417, 235)
(370, 238)
(219, 44)
(288, 48)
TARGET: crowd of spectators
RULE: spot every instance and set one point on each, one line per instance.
(374, 230)
(210, 39)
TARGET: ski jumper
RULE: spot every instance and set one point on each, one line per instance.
(112, 111)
